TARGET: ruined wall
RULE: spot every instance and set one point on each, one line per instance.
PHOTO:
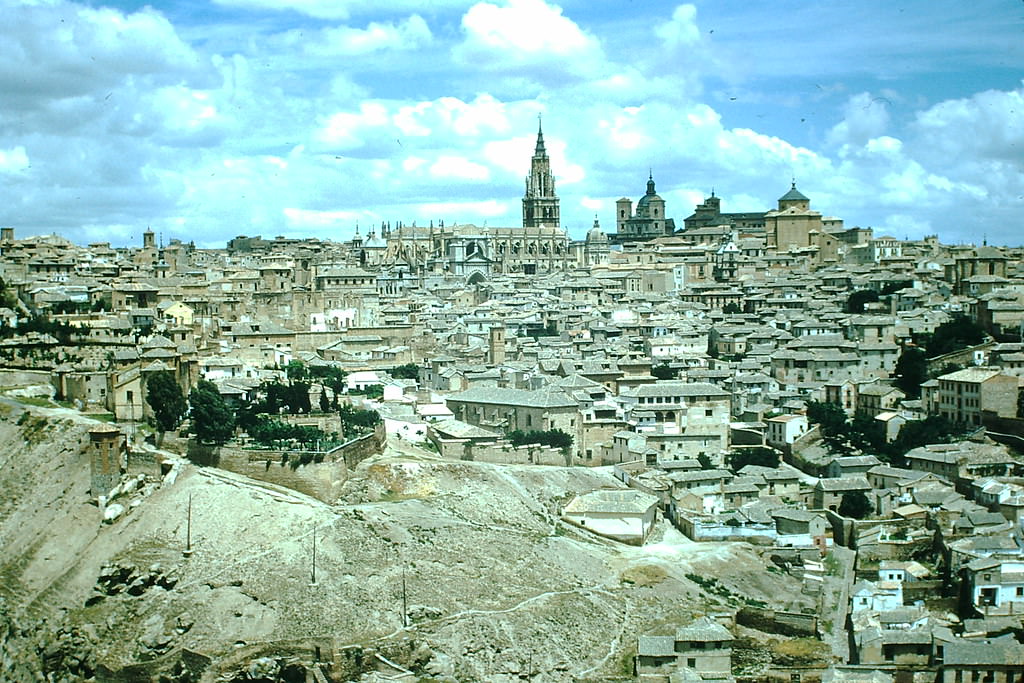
(519, 455)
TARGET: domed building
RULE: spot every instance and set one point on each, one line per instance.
(648, 222)
(596, 247)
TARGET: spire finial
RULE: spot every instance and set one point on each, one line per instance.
(793, 186)
(712, 191)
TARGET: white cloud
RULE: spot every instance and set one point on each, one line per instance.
(14, 160)
(464, 212)
(341, 41)
(865, 116)
(681, 31)
(308, 218)
(458, 168)
(527, 36)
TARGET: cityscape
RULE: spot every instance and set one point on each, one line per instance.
(372, 381)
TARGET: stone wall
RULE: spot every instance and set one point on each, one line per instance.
(783, 623)
(21, 378)
(519, 455)
(321, 480)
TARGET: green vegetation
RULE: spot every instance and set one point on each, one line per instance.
(859, 299)
(950, 336)
(664, 371)
(867, 435)
(555, 438)
(213, 421)
(759, 455)
(164, 395)
(855, 504)
(407, 371)
(273, 433)
(911, 370)
(732, 308)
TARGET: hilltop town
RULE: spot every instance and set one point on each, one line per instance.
(736, 446)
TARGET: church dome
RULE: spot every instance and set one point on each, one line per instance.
(595, 234)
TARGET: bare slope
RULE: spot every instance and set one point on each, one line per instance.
(495, 585)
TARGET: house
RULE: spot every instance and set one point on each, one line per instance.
(997, 660)
(828, 493)
(705, 647)
(851, 466)
(873, 399)
(878, 597)
(995, 586)
(963, 395)
(783, 430)
(622, 514)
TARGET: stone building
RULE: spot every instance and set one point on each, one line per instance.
(647, 222)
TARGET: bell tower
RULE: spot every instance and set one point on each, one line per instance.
(540, 203)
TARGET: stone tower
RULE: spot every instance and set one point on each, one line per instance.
(148, 239)
(540, 203)
(106, 453)
(497, 345)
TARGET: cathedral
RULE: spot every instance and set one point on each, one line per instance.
(540, 203)
(540, 246)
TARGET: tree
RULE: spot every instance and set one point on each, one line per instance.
(760, 456)
(731, 308)
(296, 369)
(856, 301)
(953, 335)
(325, 404)
(664, 371)
(165, 397)
(911, 369)
(855, 504)
(407, 371)
(212, 419)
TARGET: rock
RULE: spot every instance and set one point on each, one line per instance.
(113, 511)
(95, 598)
(419, 613)
(138, 586)
(264, 668)
(183, 623)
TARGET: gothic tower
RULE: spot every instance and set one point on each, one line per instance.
(540, 203)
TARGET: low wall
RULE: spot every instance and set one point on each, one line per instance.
(21, 378)
(783, 623)
(519, 455)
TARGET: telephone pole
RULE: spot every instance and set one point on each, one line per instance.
(188, 528)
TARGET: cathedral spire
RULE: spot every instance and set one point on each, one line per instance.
(539, 150)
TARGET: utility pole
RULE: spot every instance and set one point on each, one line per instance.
(405, 602)
(188, 528)
(313, 582)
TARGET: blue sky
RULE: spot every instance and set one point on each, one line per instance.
(205, 119)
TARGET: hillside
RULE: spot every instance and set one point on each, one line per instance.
(496, 587)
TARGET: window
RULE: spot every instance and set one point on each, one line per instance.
(691, 662)
(708, 412)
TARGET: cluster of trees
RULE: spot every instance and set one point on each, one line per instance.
(664, 371)
(41, 324)
(555, 438)
(867, 435)
(953, 335)
(759, 455)
(273, 433)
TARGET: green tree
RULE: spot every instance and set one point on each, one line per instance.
(911, 369)
(857, 300)
(407, 371)
(664, 371)
(212, 420)
(760, 456)
(165, 397)
(325, 404)
(731, 308)
(855, 504)
(953, 335)
(296, 369)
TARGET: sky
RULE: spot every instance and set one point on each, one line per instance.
(207, 119)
